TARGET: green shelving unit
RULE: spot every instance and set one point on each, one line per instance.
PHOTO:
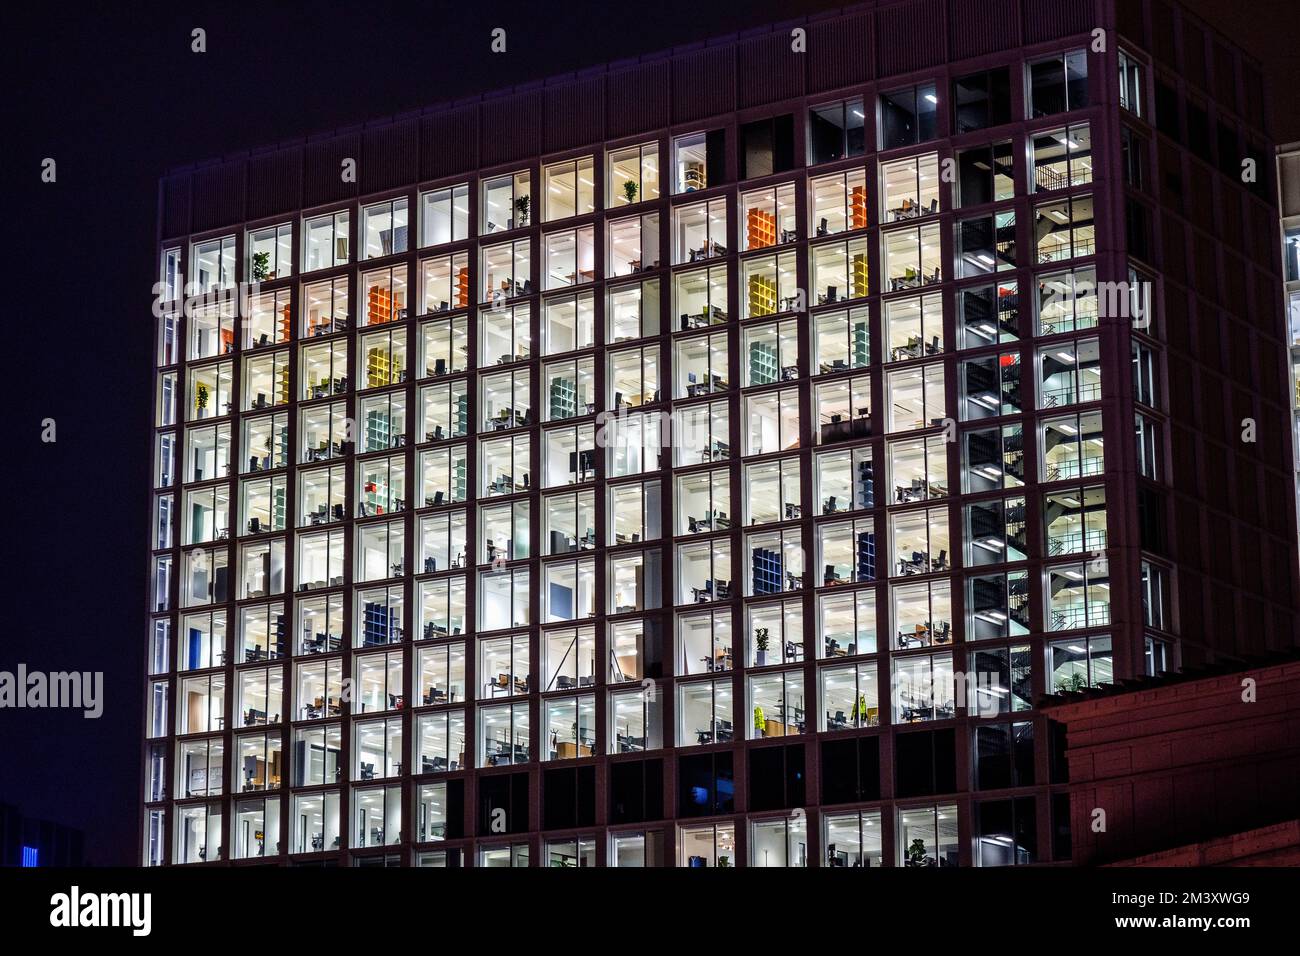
(762, 364)
(564, 398)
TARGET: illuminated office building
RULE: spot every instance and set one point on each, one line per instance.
(1288, 170)
(618, 465)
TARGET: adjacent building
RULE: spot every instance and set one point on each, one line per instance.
(708, 459)
(1199, 768)
(27, 841)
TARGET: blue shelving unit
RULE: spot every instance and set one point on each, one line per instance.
(768, 571)
(376, 624)
(866, 556)
(866, 484)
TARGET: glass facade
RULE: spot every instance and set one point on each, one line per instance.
(662, 486)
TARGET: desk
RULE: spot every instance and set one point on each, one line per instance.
(718, 662)
(911, 350)
(436, 695)
(842, 429)
(568, 750)
(503, 755)
(918, 564)
(709, 592)
(628, 744)
(722, 735)
(918, 637)
(715, 451)
(776, 728)
(915, 491)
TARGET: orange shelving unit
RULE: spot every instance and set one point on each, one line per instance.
(760, 229)
(462, 287)
(858, 207)
(379, 306)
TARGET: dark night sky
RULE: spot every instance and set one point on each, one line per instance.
(116, 97)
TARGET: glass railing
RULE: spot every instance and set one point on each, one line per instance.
(1074, 468)
(1071, 542)
(1070, 616)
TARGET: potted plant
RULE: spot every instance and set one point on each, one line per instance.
(724, 862)
(759, 723)
(860, 710)
(1071, 683)
(261, 266)
(916, 854)
(760, 644)
(629, 190)
(521, 207)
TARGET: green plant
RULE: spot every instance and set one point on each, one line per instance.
(759, 722)
(761, 639)
(916, 854)
(1071, 683)
(261, 266)
(201, 396)
(521, 207)
(629, 190)
(724, 862)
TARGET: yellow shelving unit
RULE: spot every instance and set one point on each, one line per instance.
(762, 296)
(859, 275)
(380, 369)
(281, 384)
